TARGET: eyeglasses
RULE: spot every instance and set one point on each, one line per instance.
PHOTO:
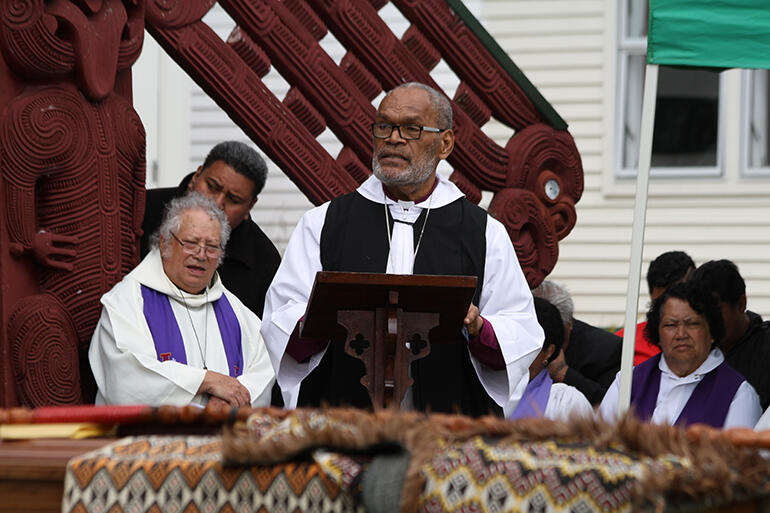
(191, 248)
(408, 132)
(688, 324)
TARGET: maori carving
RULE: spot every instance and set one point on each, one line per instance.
(531, 230)
(539, 166)
(287, 41)
(239, 90)
(72, 179)
(467, 56)
(176, 13)
(45, 364)
(546, 162)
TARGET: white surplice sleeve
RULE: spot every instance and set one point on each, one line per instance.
(124, 360)
(258, 375)
(286, 302)
(506, 302)
(763, 423)
(608, 409)
(566, 401)
(745, 409)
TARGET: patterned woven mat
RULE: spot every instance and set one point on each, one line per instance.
(456, 464)
(485, 476)
(185, 473)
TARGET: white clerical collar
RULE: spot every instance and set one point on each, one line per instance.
(150, 273)
(445, 192)
(712, 361)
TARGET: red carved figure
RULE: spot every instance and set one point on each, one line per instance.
(72, 186)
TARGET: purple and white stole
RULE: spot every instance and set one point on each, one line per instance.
(708, 403)
(168, 338)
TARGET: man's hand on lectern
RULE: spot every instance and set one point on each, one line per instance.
(473, 321)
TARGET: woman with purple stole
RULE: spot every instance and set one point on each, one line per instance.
(689, 382)
(170, 333)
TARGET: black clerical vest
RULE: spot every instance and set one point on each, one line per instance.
(354, 239)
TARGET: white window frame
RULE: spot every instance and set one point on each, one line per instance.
(747, 95)
(637, 46)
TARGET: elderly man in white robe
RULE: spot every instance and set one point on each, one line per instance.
(407, 219)
(170, 333)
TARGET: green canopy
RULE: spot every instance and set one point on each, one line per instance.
(709, 33)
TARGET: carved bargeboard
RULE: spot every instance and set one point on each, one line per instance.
(72, 186)
(537, 177)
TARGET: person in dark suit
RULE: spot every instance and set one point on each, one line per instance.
(233, 174)
(590, 357)
(746, 344)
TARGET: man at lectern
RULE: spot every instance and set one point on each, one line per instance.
(407, 219)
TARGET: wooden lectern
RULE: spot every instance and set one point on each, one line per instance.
(387, 318)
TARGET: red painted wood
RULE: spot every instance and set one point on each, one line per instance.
(72, 172)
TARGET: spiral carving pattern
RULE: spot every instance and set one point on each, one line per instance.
(31, 45)
(46, 129)
(19, 14)
(530, 229)
(546, 162)
(44, 352)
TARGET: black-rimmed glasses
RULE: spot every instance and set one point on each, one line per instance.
(408, 132)
(191, 248)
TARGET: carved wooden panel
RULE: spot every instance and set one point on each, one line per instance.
(72, 185)
(537, 175)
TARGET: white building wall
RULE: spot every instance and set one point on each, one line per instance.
(567, 49)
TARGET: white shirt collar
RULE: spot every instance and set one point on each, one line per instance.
(150, 273)
(713, 360)
(445, 193)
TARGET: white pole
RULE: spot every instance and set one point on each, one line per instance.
(637, 235)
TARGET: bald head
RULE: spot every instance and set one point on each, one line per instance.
(439, 103)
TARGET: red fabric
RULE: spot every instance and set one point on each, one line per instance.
(303, 348)
(486, 348)
(90, 413)
(643, 348)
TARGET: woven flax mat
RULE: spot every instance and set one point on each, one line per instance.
(454, 463)
(185, 473)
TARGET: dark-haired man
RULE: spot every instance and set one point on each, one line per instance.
(233, 174)
(746, 343)
(668, 268)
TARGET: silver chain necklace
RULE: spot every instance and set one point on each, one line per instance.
(201, 350)
(419, 239)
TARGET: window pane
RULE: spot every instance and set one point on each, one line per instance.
(636, 23)
(633, 110)
(759, 116)
(686, 117)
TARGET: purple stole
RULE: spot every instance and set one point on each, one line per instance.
(168, 339)
(535, 397)
(708, 403)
